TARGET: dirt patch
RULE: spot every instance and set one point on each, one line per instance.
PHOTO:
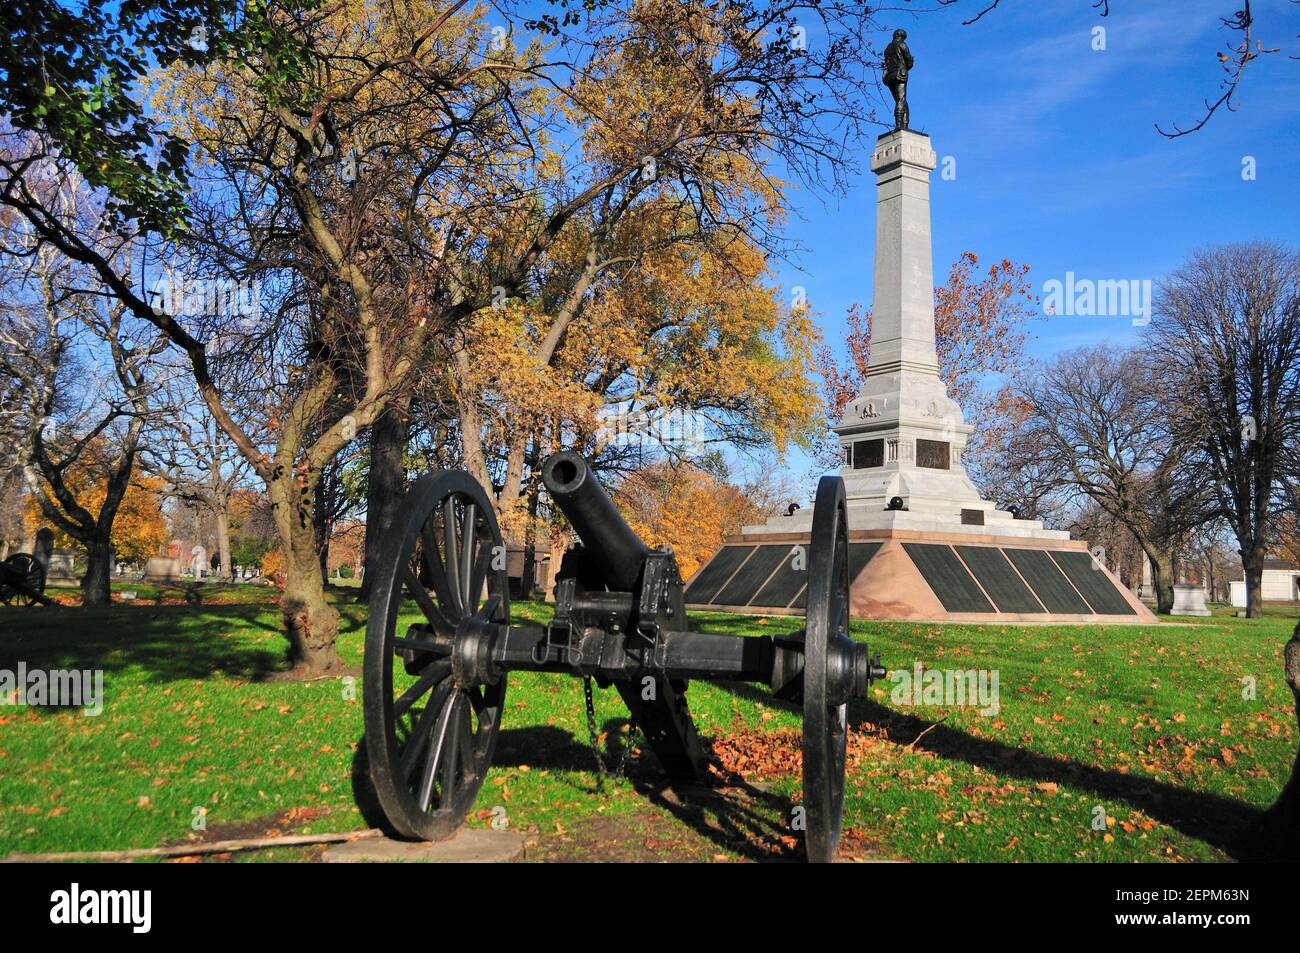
(270, 825)
(695, 824)
(647, 837)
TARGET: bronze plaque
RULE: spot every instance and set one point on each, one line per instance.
(933, 454)
(868, 453)
(972, 517)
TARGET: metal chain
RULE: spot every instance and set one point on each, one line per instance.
(619, 769)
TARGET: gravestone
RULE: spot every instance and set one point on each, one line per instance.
(1189, 600)
(43, 548)
(162, 569)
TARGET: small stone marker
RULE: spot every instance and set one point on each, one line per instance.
(469, 845)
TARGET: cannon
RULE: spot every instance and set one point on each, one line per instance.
(22, 581)
(434, 690)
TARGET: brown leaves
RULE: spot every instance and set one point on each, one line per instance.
(755, 755)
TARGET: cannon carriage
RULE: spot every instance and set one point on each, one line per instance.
(22, 581)
(435, 690)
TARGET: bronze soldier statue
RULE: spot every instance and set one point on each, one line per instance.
(898, 60)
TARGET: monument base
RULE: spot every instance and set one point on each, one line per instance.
(923, 576)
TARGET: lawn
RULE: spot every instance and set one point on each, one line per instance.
(1111, 743)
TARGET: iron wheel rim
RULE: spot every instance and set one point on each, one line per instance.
(430, 740)
(825, 725)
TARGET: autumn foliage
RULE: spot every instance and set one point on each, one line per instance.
(687, 508)
(139, 529)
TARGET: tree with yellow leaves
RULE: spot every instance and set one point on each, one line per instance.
(690, 509)
(139, 529)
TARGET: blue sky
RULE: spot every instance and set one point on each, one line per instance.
(1058, 163)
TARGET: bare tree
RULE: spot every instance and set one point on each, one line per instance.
(199, 462)
(1225, 347)
(1097, 420)
(82, 386)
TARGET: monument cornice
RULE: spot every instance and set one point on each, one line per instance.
(903, 148)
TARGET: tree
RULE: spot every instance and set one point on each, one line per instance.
(372, 167)
(684, 348)
(82, 385)
(195, 458)
(67, 71)
(1225, 346)
(678, 504)
(1097, 421)
(139, 529)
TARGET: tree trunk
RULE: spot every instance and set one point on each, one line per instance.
(1282, 823)
(311, 624)
(1162, 578)
(559, 543)
(386, 483)
(1252, 562)
(99, 571)
(529, 571)
(222, 516)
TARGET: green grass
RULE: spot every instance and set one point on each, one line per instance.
(1147, 724)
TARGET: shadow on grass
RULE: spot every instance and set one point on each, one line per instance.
(166, 643)
(740, 818)
(1222, 822)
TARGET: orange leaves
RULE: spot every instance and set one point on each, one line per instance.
(685, 508)
(139, 529)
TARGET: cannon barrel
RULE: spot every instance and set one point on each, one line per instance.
(618, 552)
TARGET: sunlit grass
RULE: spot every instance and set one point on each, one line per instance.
(1146, 728)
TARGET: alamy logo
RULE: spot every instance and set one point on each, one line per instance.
(954, 687)
(58, 688)
(1084, 297)
(73, 906)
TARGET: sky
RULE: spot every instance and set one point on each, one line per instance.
(1057, 161)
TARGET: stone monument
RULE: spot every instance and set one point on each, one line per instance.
(1189, 600)
(923, 543)
(903, 436)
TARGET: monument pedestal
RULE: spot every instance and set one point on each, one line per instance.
(923, 543)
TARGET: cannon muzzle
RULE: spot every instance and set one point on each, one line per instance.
(618, 553)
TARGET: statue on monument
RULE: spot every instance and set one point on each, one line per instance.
(898, 60)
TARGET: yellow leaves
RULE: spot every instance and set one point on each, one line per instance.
(685, 508)
(139, 529)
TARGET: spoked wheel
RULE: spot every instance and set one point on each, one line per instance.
(24, 567)
(825, 725)
(428, 738)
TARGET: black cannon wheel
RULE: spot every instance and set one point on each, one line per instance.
(24, 567)
(430, 740)
(825, 721)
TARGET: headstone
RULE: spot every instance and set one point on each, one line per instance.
(61, 566)
(43, 548)
(162, 569)
(1189, 600)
